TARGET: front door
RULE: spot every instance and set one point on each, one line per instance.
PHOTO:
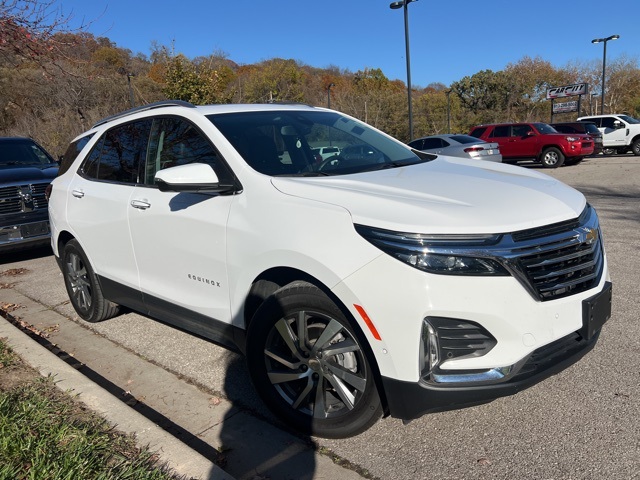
(179, 239)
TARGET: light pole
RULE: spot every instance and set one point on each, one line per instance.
(591, 95)
(448, 111)
(404, 4)
(329, 94)
(129, 75)
(604, 64)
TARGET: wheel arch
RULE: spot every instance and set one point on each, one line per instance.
(269, 281)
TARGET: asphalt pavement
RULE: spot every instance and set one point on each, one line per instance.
(580, 424)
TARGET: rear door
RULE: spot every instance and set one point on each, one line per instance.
(98, 206)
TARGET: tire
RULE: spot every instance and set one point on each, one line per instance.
(83, 286)
(635, 147)
(609, 151)
(327, 389)
(552, 158)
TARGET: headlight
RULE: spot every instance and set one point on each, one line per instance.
(440, 254)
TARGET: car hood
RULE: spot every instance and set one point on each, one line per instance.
(446, 195)
(13, 174)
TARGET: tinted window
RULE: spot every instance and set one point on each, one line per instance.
(431, 143)
(566, 128)
(175, 141)
(478, 132)
(464, 139)
(545, 128)
(500, 131)
(607, 122)
(23, 152)
(72, 153)
(119, 153)
(590, 128)
(417, 144)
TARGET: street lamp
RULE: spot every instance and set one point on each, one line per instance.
(604, 64)
(448, 92)
(394, 6)
(329, 94)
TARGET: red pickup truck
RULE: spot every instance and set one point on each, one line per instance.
(535, 141)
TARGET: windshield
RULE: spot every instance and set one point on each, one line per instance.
(283, 143)
(23, 153)
(629, 119)
(545, 128)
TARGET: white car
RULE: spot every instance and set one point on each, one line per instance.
(382, 284)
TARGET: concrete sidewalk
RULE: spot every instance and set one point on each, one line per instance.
(191, 429)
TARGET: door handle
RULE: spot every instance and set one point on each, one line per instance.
(77, 193)
(140, 204)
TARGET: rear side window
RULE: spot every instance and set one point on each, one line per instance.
(72, 152)
(478, 132)
(118, 154)
(500, 131)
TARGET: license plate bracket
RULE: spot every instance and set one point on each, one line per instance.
(596, 311)
(34, 229)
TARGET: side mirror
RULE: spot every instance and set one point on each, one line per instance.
(193, 178)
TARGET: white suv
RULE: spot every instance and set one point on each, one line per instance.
(395, 284)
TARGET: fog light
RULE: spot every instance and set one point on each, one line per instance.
(430, 351)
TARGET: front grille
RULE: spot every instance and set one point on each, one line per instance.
(559, 260)
(23, 198)
(564, 267)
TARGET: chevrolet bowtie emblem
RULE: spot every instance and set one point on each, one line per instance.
(588, 235)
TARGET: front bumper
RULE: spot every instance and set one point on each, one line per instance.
(410, 400)
(30, 231)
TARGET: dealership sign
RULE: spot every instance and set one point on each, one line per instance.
(565, 107)
(567, 91)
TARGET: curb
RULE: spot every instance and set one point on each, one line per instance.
(176, 455)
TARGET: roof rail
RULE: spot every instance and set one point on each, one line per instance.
(142, 108)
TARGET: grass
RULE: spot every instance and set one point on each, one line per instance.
(46, 434)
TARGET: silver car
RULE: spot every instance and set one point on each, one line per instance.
(457, 145)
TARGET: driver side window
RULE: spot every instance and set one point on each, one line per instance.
(175, 141)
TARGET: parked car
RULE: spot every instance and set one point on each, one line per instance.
(587, 128)
(326, 152)
(620, 133)
(535, 141)
(391, 283)
(26, 170)
(464, 146)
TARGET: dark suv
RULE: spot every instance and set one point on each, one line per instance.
(26, 170)
(535, 141)
(588, 128)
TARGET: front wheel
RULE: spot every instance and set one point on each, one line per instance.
(309, 365)
(552, 158)
(83, 286)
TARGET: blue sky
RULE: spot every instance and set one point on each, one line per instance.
(448, 40)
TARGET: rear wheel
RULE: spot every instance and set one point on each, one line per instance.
(552, 158)
(83, 287)
(309, 365)
(635, 146)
